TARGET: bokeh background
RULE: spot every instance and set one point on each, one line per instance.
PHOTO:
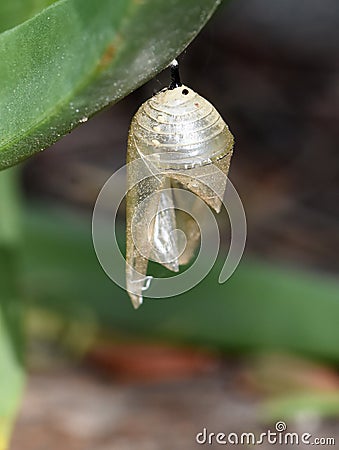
(237, 357)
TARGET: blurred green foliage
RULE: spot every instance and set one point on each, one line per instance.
(261, 307)
(11, 306)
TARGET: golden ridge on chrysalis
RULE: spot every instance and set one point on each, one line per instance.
(179, 135)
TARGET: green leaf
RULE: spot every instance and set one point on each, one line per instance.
(14, 12)
(12, 374)
(261, 307)
(78, 56)
(10, 229)
(11, 307)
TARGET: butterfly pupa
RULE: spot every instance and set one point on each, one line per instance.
(179, 137)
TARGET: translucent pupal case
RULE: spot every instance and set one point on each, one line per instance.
(179, 138)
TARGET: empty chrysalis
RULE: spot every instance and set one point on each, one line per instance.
(178, 137)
